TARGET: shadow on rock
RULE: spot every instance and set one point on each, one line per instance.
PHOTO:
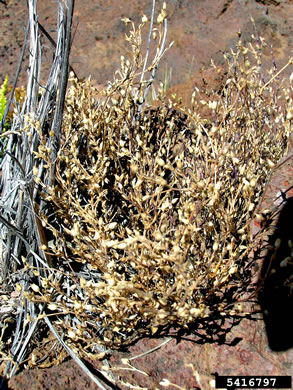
(3, 384)
(276, 282)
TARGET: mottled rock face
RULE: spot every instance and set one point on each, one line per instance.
(201, 30)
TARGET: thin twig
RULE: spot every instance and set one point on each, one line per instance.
(22, 351)
(7, 133)
(63, 85)
(74, 356)
(53, 43)
(147, 50)
(151, 350)
(154, 71)
(290, 62)
(16, 76)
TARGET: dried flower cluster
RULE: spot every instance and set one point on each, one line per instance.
(152, 211)
(147, 223)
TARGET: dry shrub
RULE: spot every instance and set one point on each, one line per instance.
(152, 211)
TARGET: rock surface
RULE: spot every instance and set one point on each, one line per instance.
(201, 30)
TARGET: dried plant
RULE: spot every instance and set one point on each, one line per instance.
(151, 216)
(146, 212)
